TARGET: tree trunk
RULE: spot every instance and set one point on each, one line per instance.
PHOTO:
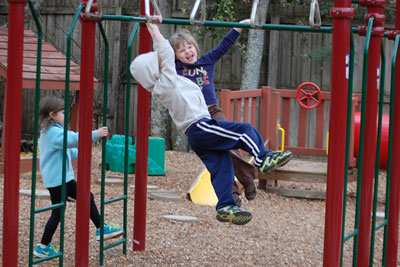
(255, 45)
(117, 92)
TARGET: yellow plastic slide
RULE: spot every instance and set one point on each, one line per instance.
(202, 192)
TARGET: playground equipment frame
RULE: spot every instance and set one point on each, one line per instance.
(342, 14)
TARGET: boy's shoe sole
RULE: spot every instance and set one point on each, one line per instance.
(276, 162)
(236, 216)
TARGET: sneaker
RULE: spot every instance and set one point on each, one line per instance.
(250, 190)
(233, 214)
(43, 252)
(111, 230)
(275, 160)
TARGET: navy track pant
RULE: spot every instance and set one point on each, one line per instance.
(212, 139)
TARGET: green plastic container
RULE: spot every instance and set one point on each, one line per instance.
(116, 155)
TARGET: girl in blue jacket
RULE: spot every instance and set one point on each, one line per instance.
(51, 120)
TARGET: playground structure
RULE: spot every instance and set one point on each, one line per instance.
(276, 107)
(340, 120)
(55, 80)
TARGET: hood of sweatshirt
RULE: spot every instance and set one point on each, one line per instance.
(145, 69)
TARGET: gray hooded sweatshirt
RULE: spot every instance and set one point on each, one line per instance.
(182, 97)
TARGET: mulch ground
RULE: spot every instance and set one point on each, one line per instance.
(284, 231)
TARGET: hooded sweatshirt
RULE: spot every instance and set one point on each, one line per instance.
(183, 99)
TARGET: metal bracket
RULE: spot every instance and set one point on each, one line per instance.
(193, 21)
(147, 10)
(256, 8)
(315, 14)
(93, 7)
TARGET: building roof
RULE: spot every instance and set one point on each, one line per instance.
(53, 64)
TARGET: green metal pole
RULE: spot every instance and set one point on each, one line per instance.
(348, 133)
(361, 142)
(66, 118)
(35, 131)
(128, 89)
(378, 154)
(389, 163)
(103, 141)
(222, 24)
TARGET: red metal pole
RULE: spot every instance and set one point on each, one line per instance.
(394, 202)
(85, 138)
(341, 14)
(375, 9)
(12, 126)
(143, 122)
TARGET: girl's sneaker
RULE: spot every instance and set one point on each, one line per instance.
(274, 160)
(111, 230)
(233, 214)
(43, 252)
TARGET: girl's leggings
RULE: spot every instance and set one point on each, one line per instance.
(54, 220)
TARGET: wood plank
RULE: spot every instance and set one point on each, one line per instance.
(319, 128)
(246, 110)
(45, 62)
(33, 54)
(286, 118)
(302, 129)
(297, 193)
(31, 47)
(254, 107)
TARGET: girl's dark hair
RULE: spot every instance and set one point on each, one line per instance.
(49, 104)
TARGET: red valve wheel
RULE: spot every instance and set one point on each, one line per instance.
(308, 95)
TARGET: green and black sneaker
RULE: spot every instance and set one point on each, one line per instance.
(233, 214)
(275, 160)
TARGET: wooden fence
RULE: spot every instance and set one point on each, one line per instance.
(295, 57)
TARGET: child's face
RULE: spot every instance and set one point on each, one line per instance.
(58, 117)
(186, 53)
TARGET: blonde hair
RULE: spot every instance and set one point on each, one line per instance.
(182, 36)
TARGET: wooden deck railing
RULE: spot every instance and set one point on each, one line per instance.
(265, 108)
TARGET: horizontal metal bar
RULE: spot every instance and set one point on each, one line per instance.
(347, 237)
(381, 225)
(115, 244)
(52, 207)
(115, 199)
(222, 24)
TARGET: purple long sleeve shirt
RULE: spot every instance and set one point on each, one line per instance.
(202, 72)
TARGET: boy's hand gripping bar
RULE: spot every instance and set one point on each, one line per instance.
(147, 10)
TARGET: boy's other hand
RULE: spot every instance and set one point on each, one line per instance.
(102, 132)
(239, 30)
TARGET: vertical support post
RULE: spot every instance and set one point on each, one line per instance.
(375, 9)
(85, 138)
(341, 14)
(394, 203)
(143, 122)
(12, 126)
